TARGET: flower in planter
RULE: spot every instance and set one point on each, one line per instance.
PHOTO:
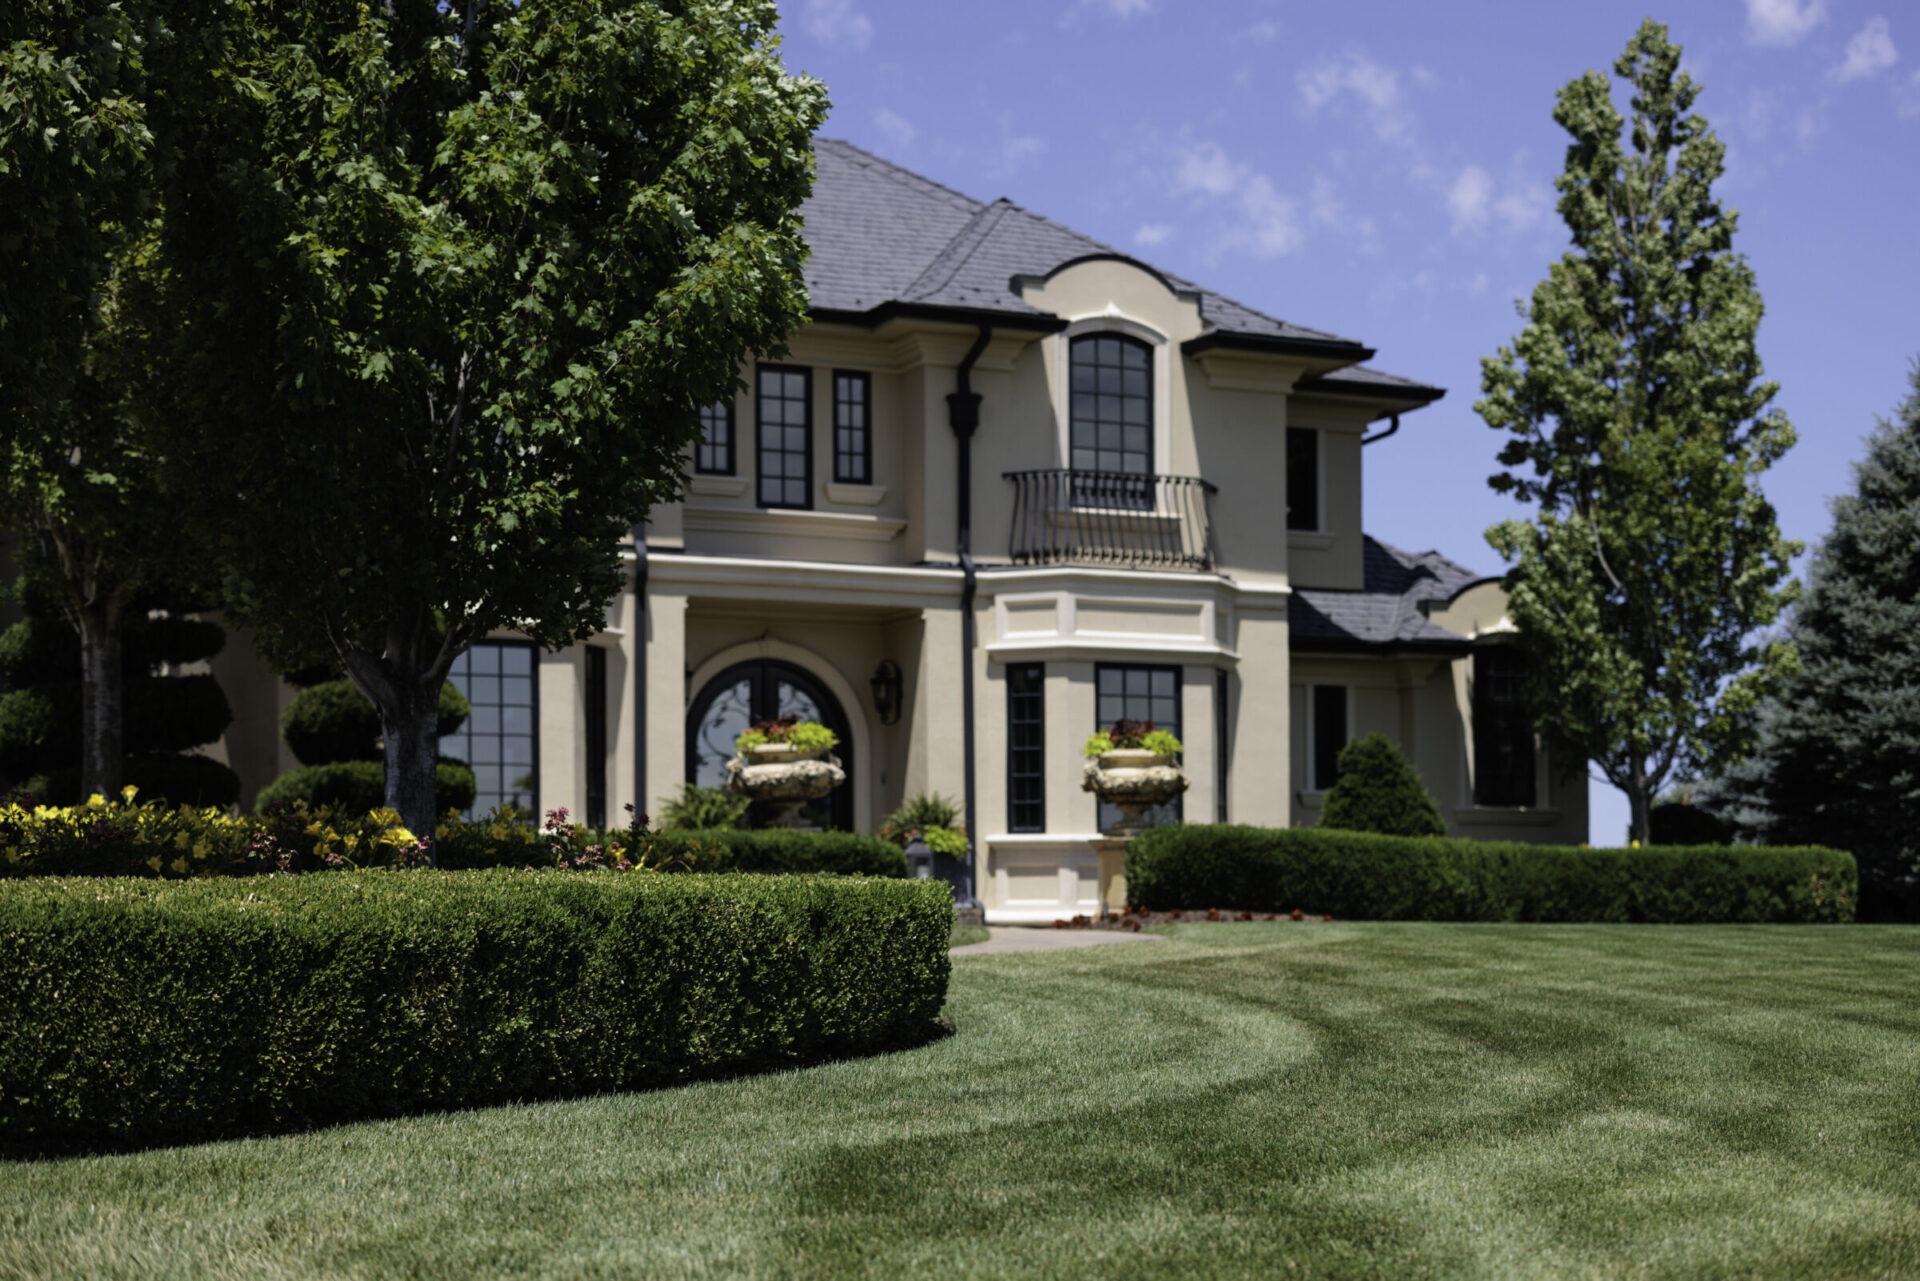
(802, 736)
(1133, 734)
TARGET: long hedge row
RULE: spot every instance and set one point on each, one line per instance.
(139, 1010)
(1362, 876)
(121, 838)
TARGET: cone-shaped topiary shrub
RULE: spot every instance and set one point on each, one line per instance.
(1378, 791)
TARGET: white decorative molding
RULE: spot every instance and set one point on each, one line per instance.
(783, 523)
(717, 486)
(1245, 371)
(1303, 540)
(854, 495)
(765, 579)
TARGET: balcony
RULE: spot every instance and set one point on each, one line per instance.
(1123, 520)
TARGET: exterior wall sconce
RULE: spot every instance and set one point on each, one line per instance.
(887, 691)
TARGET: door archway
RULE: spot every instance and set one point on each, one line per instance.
(764, 690)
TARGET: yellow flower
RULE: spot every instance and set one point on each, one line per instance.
(128, 792)
(96, 802)
(179, 866)
(154, 862)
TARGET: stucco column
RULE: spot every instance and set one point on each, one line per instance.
(1260, 778)
(935, 760)
(666, 727)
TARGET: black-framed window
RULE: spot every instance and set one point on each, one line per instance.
(1330, 733)
(852, 427)
(596, 700)
(1503, 772)
(713, 456)
(501, 738)
(1111, 418)
(1138, 692)
(1026, 747)
(784, 411)
(1303, 478)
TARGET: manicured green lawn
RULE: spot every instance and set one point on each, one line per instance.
(964, 935)
(1237, 1100)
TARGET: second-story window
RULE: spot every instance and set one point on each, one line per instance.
(1111, 415)
(785, 445)
(713, 456)
(852, 428)
(1303, 478)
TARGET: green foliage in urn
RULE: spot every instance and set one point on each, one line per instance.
(788, 731)
(1637, 420)
(458, 279)
(1137, 735)
(1377, 790)
(934, 819)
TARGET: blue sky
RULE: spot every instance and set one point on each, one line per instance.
(1385, 171)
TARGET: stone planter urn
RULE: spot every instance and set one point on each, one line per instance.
(1134, 780)
(784, 778)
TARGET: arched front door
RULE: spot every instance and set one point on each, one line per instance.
(766, 690)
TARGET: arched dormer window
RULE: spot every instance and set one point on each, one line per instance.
(1110, 415)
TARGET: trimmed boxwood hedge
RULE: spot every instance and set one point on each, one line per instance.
(1395, 878)
(509, 843)
(147, 1010)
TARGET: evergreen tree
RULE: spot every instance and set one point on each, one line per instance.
(1638, 422)
(1839, 756)
(1377, 790)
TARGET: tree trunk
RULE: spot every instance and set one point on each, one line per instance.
(411, 745)
(1640, 810)
(103, 686)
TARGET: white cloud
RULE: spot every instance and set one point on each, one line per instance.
(1326, 209)
(1478, 285)
(895, 128)
(1017, 150)
(1376, 88)
(1783, 22)
(1153, 233)
(1475, 203)
(1263, 32)
(1120, 8)
(1906, 99)
(1207, 170)
(1469, 198)
(837, 21)
(1271, 221)
(1262, 220)
(1869, 53)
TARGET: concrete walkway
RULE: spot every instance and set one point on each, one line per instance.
(1024, 938)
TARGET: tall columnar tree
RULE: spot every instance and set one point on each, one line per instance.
(457, 279)
(1638, 423)
(1839, 745)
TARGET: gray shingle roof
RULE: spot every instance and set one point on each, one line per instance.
(882, 235)
(1386, 611)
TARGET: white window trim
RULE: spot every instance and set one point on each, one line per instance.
(1112, 321)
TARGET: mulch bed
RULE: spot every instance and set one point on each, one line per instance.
(1135, 919)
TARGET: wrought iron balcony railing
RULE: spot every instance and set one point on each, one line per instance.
(1122, 519)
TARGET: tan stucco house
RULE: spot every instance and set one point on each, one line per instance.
(1011, 484)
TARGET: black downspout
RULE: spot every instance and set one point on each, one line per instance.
(1393, 425)
(963, 415)
(639, 670)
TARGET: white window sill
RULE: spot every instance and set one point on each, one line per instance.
(717, 486)
(1306, 540)
(854, 495)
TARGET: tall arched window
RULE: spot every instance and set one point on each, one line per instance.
(1111, 420)
(765, 690)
